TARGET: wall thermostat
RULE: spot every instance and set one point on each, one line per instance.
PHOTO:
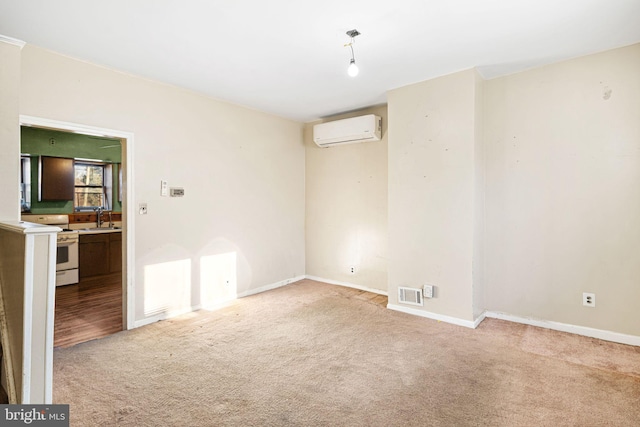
(176, 192)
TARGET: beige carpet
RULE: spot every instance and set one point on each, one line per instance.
(312, 354)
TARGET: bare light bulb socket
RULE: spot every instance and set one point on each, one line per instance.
(353, 68)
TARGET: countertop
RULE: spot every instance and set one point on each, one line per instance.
(99, 230)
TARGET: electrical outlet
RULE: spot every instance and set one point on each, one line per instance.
(142, 208)
(352, 269)
(164, 188)
(588, 300)
(427, 291)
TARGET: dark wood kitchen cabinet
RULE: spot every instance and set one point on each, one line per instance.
(56, 179)
(100, 254)
(93, 254)
(115, 252)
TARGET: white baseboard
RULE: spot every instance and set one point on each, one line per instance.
(556, 326)
(565, 327)
(269, 287)
(346, 284)
(439, 317)
(171, 314)
(164, 316)
(479, 319)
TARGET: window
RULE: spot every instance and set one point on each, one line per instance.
(89, 186)
(25, 183)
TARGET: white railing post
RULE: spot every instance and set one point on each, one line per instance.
(27, 273)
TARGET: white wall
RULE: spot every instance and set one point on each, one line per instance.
(563, 191)
(346, 209)
(240, 225)
(432, 191)
(9, 130)
(520, 191)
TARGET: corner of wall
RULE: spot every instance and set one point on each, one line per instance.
(479, 216)
(9, 128)
(432, 193)
(346, 208)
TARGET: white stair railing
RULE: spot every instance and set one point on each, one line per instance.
(27, 293)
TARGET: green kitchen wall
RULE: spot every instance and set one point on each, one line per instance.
(35, 142)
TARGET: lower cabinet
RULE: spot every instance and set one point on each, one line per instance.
(115, 252)
(100, 254)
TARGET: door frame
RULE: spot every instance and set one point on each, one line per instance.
(128, 209)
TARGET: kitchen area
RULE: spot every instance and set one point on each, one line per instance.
(74, 182)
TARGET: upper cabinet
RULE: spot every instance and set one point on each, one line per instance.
(48, 169)
(56, 179)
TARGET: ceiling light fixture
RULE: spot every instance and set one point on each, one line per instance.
(353, 68)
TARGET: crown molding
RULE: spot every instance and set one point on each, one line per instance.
(12, 41)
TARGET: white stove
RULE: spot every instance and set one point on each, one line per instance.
(67, 247)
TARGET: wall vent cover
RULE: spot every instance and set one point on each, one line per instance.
(410, 296)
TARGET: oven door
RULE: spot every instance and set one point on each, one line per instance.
(67, 255)
(67, 260)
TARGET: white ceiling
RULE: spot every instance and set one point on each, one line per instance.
(287, 57)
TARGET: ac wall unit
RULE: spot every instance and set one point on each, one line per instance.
(348, 131)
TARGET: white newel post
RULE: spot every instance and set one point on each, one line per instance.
(27, 276)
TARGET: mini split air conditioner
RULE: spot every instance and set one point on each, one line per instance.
(348, 131)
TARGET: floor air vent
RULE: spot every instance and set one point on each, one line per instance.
(410, 296)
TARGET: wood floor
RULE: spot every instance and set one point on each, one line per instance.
(88, 310)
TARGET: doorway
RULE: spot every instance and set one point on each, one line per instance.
(128, 224)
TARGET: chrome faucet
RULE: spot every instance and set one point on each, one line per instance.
(99, 216)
